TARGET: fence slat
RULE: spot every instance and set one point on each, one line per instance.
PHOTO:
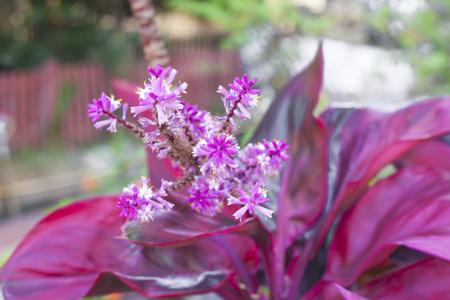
(30, 98)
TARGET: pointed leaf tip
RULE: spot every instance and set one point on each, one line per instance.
(294, 103)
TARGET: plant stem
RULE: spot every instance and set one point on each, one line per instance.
(138, 131)
(155, 51)
(226, 123)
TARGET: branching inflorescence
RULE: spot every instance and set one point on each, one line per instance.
(215, 170)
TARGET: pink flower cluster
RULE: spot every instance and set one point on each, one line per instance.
(101, 111)
(140, 202)
(215, 170)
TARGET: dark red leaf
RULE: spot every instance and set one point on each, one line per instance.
(294, 104)
(331, 291)
(184, 226)
(433, 154)
(411, 208)
(303, 189)
(426, 280)
(369, 141)
(290, 118)
(68, 254)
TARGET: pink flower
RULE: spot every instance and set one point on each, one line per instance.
(240, 96)
(261, 160)
(194, 118)
(104, 107)
(204, 198)
(130, 202)
(251, 203)
(158, 94)
(276, 152)
(219, 151)
(141, 202)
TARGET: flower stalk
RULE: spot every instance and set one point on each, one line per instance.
(214, 169)
(155, 51)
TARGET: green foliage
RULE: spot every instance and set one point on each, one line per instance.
(69, 30)
(60, 203)
(4, 255)
(236, 16)
(387, 171)
(425, 38)
(380, 18)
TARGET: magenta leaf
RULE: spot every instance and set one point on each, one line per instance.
(75, 251)
(427, 280)
(185, 226)
(368, 141)
(331, 291)
(290, 117)
(433, 154)
(294, 105)
(386, 138)
(410, 208)
(303, 189)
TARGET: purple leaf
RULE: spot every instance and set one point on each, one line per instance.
(74, 252)
(434, 242)
(331, 291)
(410, 208)
(184, 226)
(433, 154)
(303, 190)
(294, 105)
(425, 280)
(369, 141)
(303, 187)
(290, 118)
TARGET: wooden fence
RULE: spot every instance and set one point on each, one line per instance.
(51, 101)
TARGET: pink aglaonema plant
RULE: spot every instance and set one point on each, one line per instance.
(336, 232)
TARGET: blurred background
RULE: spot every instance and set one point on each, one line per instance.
(56, 55)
